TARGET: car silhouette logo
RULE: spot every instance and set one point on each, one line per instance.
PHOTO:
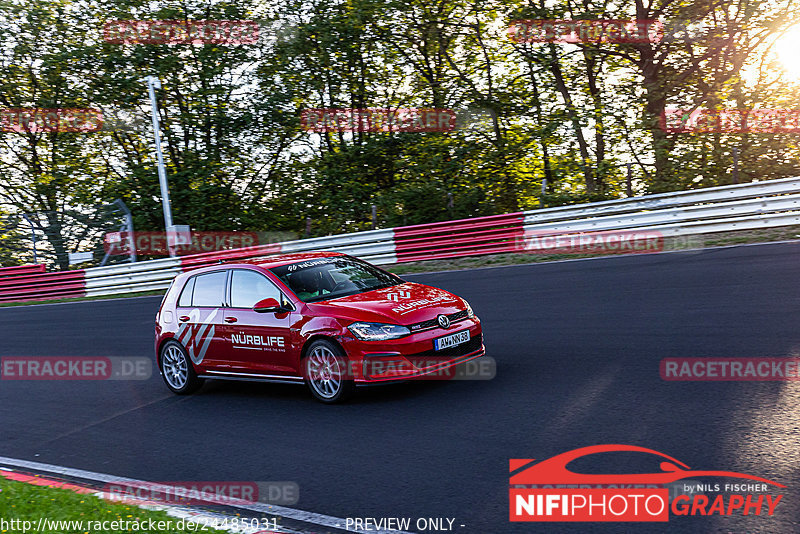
(554, 470)
(444, 321)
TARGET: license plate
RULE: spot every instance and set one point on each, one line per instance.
(452, 340)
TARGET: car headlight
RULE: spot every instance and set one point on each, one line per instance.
(470, 313)
(378, 331)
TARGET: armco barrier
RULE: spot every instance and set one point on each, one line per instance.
(711, 195)
(42, 286)
(467, 237)
(376, 246)
(716, 209)
(22, 269)
(131, 277)
(195, 261)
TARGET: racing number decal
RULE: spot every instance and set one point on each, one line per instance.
(196, 335)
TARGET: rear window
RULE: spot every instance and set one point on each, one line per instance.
(209, 289)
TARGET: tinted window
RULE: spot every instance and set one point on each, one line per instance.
(248, 287)
(209, 289)
(332, 277)
(186, 295)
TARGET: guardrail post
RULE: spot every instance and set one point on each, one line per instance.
(374, 216)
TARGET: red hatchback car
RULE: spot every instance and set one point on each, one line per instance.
(323, 318)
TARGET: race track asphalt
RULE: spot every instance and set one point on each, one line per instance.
(578, 346)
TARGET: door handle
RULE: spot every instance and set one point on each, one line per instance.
(230, 319)
(183, 318)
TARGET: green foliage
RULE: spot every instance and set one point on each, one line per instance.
(12, 242)
(30, 503)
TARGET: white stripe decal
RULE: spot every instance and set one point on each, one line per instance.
(198, 358)
(205, 345)
(184, 333)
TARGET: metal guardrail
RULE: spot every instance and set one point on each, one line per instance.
(716, 212)
(42, 286)
(131, 277)
(375, 246)
(716, 209)
(22, 269)
(721, 194)
(737, 207)
(467, 237)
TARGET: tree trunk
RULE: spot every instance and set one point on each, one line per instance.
(555, 68)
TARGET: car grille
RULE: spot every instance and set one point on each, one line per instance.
(431, 356)
(433, 323)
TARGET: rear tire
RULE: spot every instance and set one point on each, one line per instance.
(327, 372)
(177, 369)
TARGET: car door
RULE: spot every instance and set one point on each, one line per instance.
(199, 311)
(259, 342)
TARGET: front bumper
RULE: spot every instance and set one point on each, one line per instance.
(414, 357)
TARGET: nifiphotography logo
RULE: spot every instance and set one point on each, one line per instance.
(548, 491)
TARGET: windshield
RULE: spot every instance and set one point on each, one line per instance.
(330, 278)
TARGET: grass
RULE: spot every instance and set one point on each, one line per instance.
(27, 502)
(700, 241)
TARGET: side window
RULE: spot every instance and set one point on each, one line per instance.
(209, 289)
(248, 287)
(185, 299)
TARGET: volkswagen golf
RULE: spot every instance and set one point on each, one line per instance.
(325, 319)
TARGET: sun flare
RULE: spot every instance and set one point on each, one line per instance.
(787, 47)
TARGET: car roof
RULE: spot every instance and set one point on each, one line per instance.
(267, 261)
(282, 259)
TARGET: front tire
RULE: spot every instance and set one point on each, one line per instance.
(177, 370)
(327, 372)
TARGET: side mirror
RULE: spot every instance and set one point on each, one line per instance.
(268, 305)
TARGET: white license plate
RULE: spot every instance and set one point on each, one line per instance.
(452, 340)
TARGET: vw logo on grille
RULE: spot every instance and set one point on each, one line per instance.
(444, 321)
